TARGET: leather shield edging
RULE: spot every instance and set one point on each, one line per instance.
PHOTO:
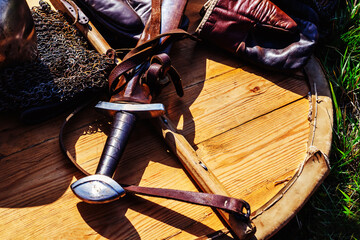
(277, 212)
(282, 208)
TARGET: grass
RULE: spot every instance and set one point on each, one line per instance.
(334, 210)
(341, 58)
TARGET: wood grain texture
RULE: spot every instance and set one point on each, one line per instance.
(247, 162)
(249, 126)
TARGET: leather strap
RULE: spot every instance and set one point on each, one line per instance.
(155, 18)
(236, 206)
(143, 53)
(229, 204)
(160, 66)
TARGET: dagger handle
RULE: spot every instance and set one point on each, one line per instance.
(116, 142)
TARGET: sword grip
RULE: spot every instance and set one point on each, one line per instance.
(116, 142)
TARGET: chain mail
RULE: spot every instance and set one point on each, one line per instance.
(65, 67)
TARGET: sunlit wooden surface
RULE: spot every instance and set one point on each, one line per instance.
(249, 126)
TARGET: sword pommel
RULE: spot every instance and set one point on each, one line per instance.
(97, 189)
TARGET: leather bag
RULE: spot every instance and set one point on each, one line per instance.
(258, 31)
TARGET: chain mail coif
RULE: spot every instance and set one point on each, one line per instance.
(65, 69)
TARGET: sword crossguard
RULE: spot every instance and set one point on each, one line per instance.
(150, 110)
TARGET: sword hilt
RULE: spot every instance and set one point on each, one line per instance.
(101, 188)
(116, 142)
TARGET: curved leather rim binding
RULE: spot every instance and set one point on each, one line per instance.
(277, 212)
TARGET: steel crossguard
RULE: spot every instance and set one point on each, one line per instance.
(101, 187)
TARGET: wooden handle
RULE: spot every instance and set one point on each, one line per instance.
(88, 30)
(94, 37)
(203, 176)
(188, 157)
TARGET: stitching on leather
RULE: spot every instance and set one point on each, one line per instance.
(311, 153)
(212, 4)
(257, 23)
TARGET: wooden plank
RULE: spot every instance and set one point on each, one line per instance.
(196, 62)
(36, 181)
(8, 121)
(232, 98)
(250, 158)
(17, 136)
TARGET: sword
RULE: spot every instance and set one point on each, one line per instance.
(187, 156)
(130, 100)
